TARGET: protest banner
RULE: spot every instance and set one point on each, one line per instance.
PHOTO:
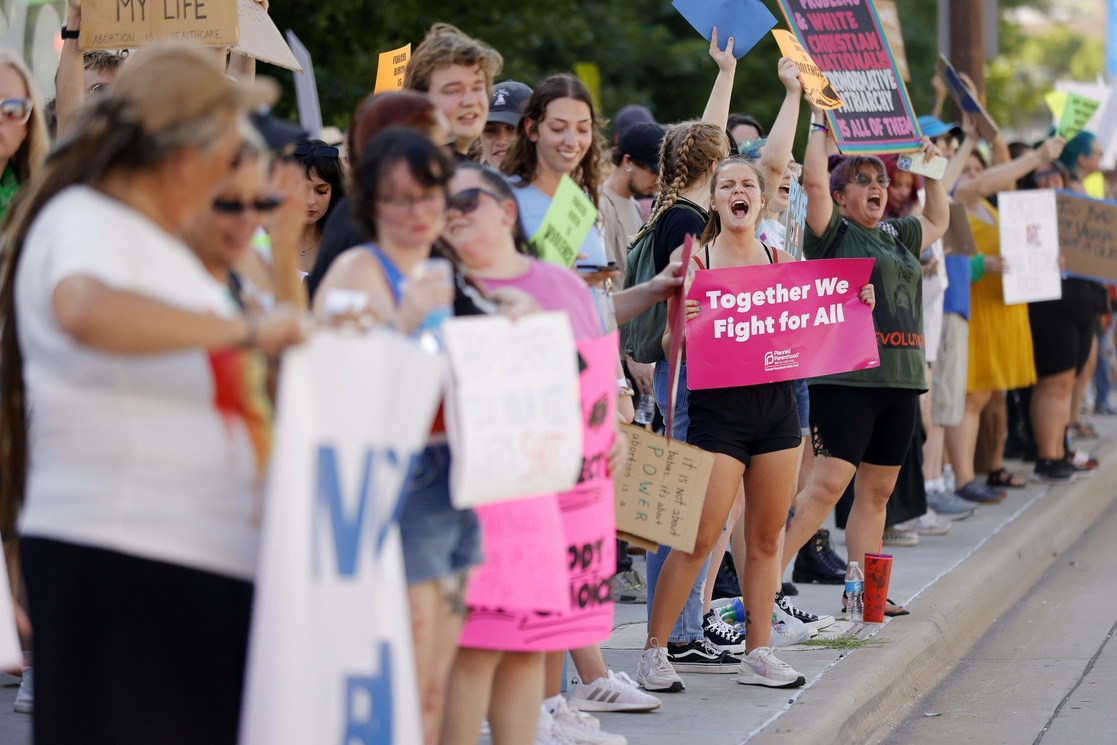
(846, 42)
(1029, 235)
(117, 24)
(391, 68)
(260, 38)
(676, 321)
(589, 526)
(795, 219)
(747, 21)
(11, 651)
(661, 490)
(565, 226)
(889, 16)
(764, 324)
(959, 235)
(306, 88)
(512, 407)
(966, 100)
(330, 656)
(590, 74)
(815, 85)
(1077, 111)
(1088, 236)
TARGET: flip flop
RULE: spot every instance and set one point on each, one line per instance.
(892, 610)
(1004, 478)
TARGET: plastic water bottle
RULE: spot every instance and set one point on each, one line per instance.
(430, 331)
(645, 412)
(855, 590)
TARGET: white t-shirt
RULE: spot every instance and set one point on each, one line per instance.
(130, 452)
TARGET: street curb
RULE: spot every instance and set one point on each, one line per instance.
(870, 691)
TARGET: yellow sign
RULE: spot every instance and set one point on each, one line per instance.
(565, 226)
(391, 68)
(590, 74)
(815, 84)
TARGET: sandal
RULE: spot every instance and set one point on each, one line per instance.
(1083, 431)
(1004, 478)
(892, 610)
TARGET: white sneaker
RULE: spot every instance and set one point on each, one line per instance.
(579, 727)
(616, 692)
(763, 668)
(546, 733)
(930, 523)
(655, 672)
(25, 698)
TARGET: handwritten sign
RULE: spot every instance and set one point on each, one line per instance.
(747, 21)
(795, 219)
(1077, 110)
(391, 68)
(1088, 235)
(959, 235)
(889, 16)
(966, 100)
(676, 321)
(815, 84)
(662, 488)
(566, 224)
(763, 324)
(589, 525)
(330, 593)
(846, 42)
(116, 24)
(1029, 232)
(512, 407)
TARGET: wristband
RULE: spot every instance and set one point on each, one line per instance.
(68, 34)
(816, 127)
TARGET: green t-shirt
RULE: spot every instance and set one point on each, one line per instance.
(898, 280)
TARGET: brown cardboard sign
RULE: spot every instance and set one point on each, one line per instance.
(660, 491)
(1088, 236)
(260, 38)
(126, 24)
(958, 238)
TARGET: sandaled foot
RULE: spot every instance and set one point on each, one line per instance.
(893, 610)
(1004, 478)
(1083, 430)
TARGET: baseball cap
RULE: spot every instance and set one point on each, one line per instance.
(934, 128)
(642, 142)
(508, 101)
(629, 115)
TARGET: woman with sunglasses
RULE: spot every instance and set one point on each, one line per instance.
(862, 421)
(325, 187)
(24, 141)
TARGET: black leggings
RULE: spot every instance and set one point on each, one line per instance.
(130, 651)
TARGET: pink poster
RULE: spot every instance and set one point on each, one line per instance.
(589, 532)
(764, 324)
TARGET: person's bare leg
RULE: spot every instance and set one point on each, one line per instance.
(1082, 381)
(996, 416)
(829, 478)
(469, 692)
(437, 615)
(735, 513)
(1051, 413)
(517, 694)
(961, 441)
(871, 489)
(933, 445)
(589, 663)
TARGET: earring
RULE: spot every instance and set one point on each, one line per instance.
(628, 169)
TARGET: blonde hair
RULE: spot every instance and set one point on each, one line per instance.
(687, 152)
(447, 45)
(28, 159)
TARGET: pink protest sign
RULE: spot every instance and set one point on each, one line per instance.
(589, 531)
(677, 322)
(763, 324)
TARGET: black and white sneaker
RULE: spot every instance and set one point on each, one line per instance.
(701, 657)
(722, 635)
(811, 620)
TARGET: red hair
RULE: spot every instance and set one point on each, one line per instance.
(900, 210)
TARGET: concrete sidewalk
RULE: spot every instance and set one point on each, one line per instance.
(956, 587)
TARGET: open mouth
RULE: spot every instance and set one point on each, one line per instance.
(875, 200)
(785, 191)
(739, 208)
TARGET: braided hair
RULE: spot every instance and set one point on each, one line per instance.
(686, 154)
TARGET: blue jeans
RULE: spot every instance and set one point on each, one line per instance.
(688, 627)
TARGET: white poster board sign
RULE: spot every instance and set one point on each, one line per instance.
(1029, 231)
(513, 410)
(330, 656)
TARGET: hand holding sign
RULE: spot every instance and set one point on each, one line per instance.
(744, 22)
(817, 88)
(566, 225)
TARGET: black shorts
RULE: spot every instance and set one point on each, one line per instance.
(1063, 329)
(746, 421)
(130, 651)
(873, 425)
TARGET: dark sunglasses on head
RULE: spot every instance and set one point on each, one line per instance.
(466, 201)
(16, 110)
(863, 179)
(230, 207)
(322, 151)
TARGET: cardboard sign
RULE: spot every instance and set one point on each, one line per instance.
(589, 525)
(566, 225)
(846, 42)
(512, 407)
(330, 599)
(1029, 234)
(966, 101)
(815, 85)
(662, 488)
(795, 219)
(127, 24)
(306, 88)
(959, 235)
(260, 38)
(1088, 235)
(391, 68)
(764, 324)
(745, 20)
(1077, 110)
(676, 321)
(889, 16)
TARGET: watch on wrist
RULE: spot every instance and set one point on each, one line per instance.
(68, 34)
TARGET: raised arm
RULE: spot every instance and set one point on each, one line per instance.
(717, 108)
(816, 175)
(777, 153)
(1004, 177)
(936, 211)
(69, 81)
(961, 155)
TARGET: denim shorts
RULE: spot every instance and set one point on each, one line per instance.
(803, 403)
(438, 540)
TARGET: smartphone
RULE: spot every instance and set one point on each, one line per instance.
(934, 168)
(594, 268)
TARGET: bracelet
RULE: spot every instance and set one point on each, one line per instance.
(68, 34)
(253, 328)
(816, 127)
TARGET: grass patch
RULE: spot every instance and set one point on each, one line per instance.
(844, 643)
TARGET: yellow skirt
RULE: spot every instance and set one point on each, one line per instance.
(1000, 340)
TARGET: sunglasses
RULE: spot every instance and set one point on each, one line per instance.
(466, 201)
(322, 151)
(16, 110)
(230, 207)
(863, 180)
